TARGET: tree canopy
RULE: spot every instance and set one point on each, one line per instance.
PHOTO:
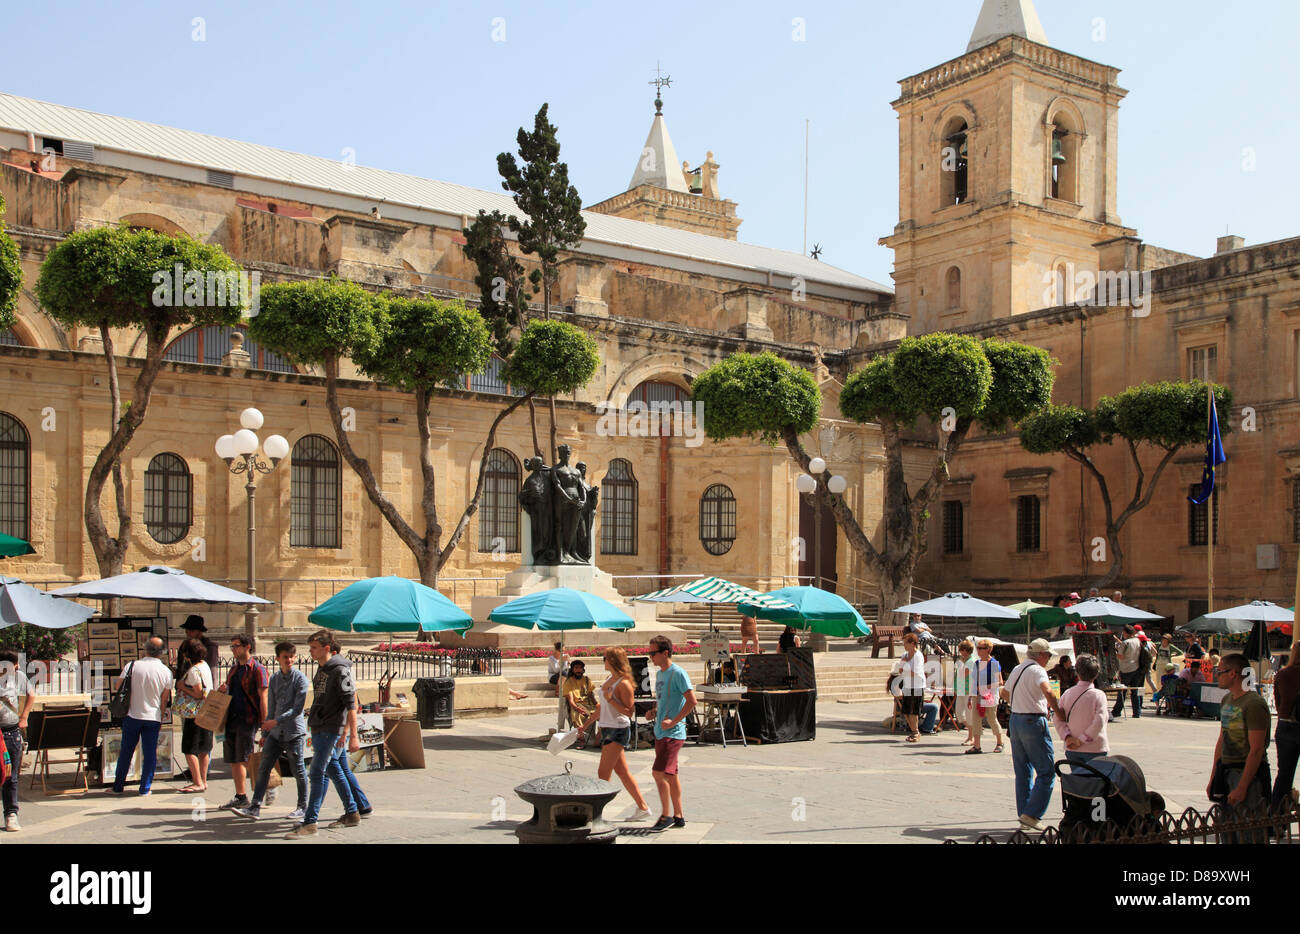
(756, 395)
(424, 343)
(11, 273)
(314, 321)
(553, 357)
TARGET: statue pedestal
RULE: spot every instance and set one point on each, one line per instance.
(584, 577)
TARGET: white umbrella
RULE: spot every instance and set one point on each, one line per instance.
(959, 604)
(1255, 610)
(165, 585)
(1101, 607)
(23, 604)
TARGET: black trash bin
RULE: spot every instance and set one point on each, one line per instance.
(435, 700)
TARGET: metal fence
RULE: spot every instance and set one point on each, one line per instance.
(371, 666)
(1220, 824)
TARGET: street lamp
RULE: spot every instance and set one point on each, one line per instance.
(239, 451)
(807, 485)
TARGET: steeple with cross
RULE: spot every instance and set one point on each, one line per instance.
(660, 82)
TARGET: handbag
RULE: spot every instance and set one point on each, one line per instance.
(119, 705)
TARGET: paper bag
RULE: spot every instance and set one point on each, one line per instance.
(212, 715)
(255, 769)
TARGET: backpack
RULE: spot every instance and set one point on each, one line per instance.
(1144, 657)
(119, 705)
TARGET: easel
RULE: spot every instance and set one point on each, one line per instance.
(58, 728)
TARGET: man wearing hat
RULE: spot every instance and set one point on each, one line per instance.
(194, 629)
(1032, 752)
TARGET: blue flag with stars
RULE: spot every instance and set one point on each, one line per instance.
(1214, 456)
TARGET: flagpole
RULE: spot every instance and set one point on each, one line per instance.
(1209, 503)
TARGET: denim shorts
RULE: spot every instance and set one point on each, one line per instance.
(616, 734)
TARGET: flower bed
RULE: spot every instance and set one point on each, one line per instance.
(433, 648)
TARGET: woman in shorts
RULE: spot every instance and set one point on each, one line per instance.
(615, 722)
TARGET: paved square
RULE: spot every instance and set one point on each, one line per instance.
(855, 783)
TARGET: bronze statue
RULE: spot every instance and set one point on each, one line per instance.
(535, 497)
(569, 500)
(585, 547)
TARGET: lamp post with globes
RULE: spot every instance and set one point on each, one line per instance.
(807, 485)
(240, 453)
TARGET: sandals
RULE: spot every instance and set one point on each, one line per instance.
(193, 789)
(967, 741)
(974, 750)
(998, 748)
(913, 737)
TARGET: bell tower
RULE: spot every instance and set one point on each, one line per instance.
(1006, 173)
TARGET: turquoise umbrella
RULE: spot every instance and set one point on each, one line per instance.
(390, 604)
(814, 609)
(562, 608)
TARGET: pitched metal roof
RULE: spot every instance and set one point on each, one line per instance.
(118, 139)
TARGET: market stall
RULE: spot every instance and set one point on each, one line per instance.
(780, 696)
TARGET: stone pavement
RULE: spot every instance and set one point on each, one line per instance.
(855, 783)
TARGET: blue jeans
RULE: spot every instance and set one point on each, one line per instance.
(325, 759)
(1031, 757)
(134, 732)
(272, 750)
(1288, 754)
(358, 796)
(931, 715)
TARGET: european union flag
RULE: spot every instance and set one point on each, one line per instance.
(1214, 456)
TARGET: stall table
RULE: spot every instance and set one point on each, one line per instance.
(720, 711)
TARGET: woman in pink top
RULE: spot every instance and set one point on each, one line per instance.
(1083, 727)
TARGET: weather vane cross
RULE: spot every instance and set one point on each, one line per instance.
(660, 82)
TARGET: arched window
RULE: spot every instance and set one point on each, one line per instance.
(167, 499)
(718, 519)
(618, 495)
(954, 164)
(15, 464)
(954, 287)
(314, 494)
(1063, 159)
(9, 337)
(498, 513)
(490, 380)
(662, 404)
(210, 345)
(1061, 289)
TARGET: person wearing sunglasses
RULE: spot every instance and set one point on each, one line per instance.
(674, 700)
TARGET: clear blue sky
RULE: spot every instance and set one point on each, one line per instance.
(422, 88)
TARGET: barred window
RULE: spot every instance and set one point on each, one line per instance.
(663, 404)
(491, 380)
(618, 495)
(498, 522)
(15, 464)
(718, 519)
(1027, 525)
(1198, 517)
(315, 494)
(10, 337)
(209, 345)
(167, 499)
(953, 540)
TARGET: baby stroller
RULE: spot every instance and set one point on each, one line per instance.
(1109, 789)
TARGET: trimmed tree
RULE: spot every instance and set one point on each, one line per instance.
(416, 345)
(113, 278)
(541, 189)
(953, 381)
(1158, 417)
(11, 273)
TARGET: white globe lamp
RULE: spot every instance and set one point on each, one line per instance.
(245, 441)
(276, 447)
(250, 419)
(837, 484)
(225, 447)
(816, 465)
(804, 483)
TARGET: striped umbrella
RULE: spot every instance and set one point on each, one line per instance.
(714, 590)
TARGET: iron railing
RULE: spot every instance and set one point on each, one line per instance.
(1220, 824)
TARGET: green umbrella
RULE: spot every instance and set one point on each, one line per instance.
(11, 547)
(562, 608)
(1036, 616)
(813, 609)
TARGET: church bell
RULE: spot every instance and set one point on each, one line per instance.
(1058, 156)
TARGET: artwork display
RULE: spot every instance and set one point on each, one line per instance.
(101, 630)
(103, 647)
(561, 508)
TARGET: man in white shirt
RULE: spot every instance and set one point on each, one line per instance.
(1130, 651)
(1032, 752)
(151, 683)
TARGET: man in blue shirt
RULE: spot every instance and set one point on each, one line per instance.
(282, 732)
(674, 700)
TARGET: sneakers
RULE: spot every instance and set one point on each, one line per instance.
(1029, 823)
(638, 814)
(11, 823)
(302, 830)
(297, 814)
(347, 820)
(661, 825)
(238, 801)
(366, 812)
(679, 823)
(252, 812)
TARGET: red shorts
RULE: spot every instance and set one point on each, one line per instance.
(666, 755)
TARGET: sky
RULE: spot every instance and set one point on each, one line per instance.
(438, 89)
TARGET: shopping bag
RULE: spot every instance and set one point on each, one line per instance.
(255, 769)
(212, 715)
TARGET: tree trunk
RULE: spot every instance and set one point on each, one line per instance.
(893, 594)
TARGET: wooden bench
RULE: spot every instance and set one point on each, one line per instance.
(885, 636)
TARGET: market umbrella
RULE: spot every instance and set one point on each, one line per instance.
(390, 604)
(1255, 610)
(1204, 625)
(960, 604)
(1039, 617)
(11, 547)
(562, 608)
(810, 608)
(1115, 614)
(713, 590)
(160, 584)
(23, 604)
